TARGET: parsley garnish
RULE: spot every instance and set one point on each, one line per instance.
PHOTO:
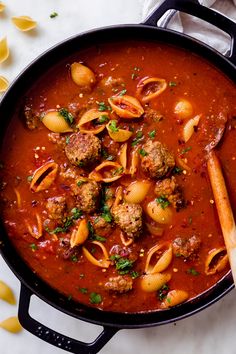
(177, 170)
(83, 290)
(103, 107)
(66, 115)
(118, 171)
(95, 298)
(106, 214)
(80, 182)
(137, 139)
(186, 150)
(123, 265)
(53, 14)
(29, 178)
(113, 127)
(152, 134)
(93, 236)
(122, 93)
(33, 246)
(143, 152)
(67, 139)
(172, 84)
(193, 271)
(67, 222)
(74, 259)
(163, 201)
(106, 155)
(69, 298)
(134, 274)
(103, 119)
(162, 293)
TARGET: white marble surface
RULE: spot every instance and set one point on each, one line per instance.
(210, 331)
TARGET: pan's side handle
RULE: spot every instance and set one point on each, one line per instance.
(192, 7)
(57, 339)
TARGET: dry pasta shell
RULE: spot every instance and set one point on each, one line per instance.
(24, 23)
(3, 84)
(82, 75)
(175, 297)
(36, 231)
(44, 176)
(12, 325)
(154, 282)
(2, 6)
(149, 88)
(137, 191)
(80, 234)
(120, 136)
(216, 260)
(183, 109)
(107, 171)
(6, 293)
(158, 214)
(4, 50)
(159, 258)
(88, 117)
(188, 129)
(123, 155)
(102, 262)
(55, 122)
(126, 106)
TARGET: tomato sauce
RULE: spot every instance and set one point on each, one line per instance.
(188, 77)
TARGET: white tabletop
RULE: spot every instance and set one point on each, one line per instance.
(210, 331)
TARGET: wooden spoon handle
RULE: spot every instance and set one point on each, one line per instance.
(224, 209)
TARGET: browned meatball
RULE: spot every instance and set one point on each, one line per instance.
(86, 195)
(157, 160)
(186, 247)
(56, 207)
(102, 227)
(120, 284)
(128, 217)
(151, 114)
(83, 149)
(169, 189)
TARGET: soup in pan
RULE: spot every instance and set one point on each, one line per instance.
(104, 186)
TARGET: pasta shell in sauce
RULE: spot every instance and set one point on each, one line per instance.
(136, 192)
(36, 231)
(158, 214)
(122, 155)
(6, 293)
(154, 282)
(134, 162)
(183, 109)
(188, 129)
(107, 171)
(126, 106)
(175, 297)
(88, 117)
(82, 75)
(4, 50)
(149, 88)
(44, 176)
(24, 23)
(120, 136)
(102, 262)
(55, 122)
(80, 234)
(159, 258)
(216, 261)
(12, 325)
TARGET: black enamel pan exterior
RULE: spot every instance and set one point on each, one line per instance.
(30, 283)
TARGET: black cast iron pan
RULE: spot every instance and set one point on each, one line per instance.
(30, 283)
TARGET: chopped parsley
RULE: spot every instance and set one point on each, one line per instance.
(102, 106)
(134, 274)
(134, 75)
(172, 84)
(163, 201)
(93, 236)
(122, 92)
(177, 170)
(67, 139)
(118, 171)
(80, 182)
(106, 214)
(53, 14)
(95, 298)
(143, 152)
(123, 265)
(106, 155)
(186, 150)
(34, 247)
(137, 139)
(193, 271)
(66, 115)
(69, 298)
(162, 293)
(113, 127)
(103, 119)
(152, 134)
(29, 178)
(83, 290)
(74, 259)
(67, 222)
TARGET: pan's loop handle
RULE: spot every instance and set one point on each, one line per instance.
(192, 7)
(57, 339)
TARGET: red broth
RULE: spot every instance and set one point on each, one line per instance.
(211, 95)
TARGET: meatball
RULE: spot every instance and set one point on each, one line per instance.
(169, 189)
(56, 207)
(86, 195)
(151, 114)
(120, 284)
(128, 217)
(186, 247)
(83, 149)
(102, 227)
(157, 160)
